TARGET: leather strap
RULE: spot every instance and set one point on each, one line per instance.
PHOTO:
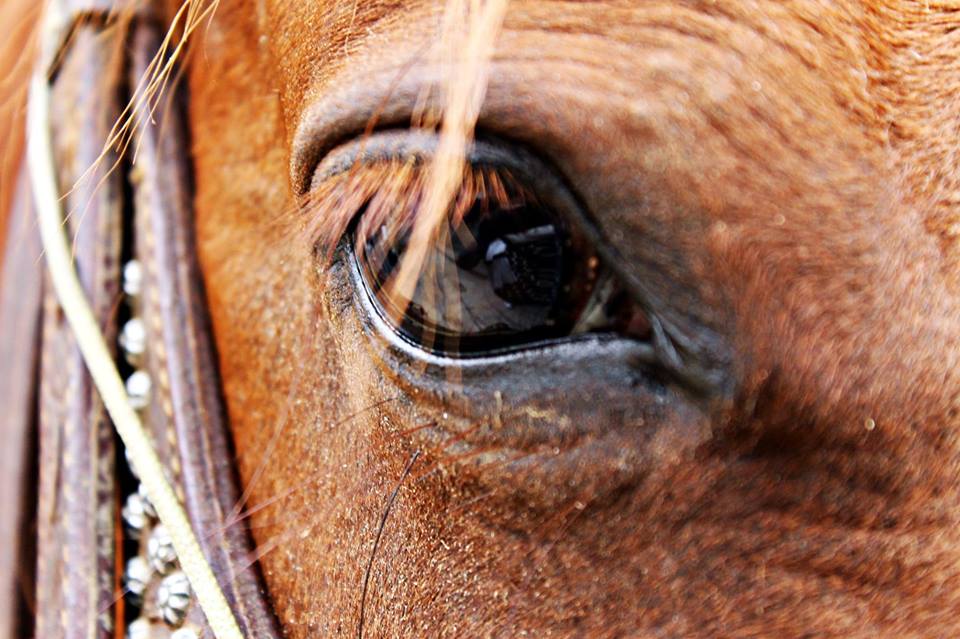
(78, 558)
(186, 412)
(20, 295)
(77, 505)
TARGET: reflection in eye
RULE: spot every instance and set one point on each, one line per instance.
(505, 272)
(496, 277)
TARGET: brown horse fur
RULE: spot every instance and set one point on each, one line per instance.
(779, 178)
(18, 49)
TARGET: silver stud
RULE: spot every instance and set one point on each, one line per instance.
(148, 508)
(139, 629)
(136, 577)
(126, 455)
(138, 389)
(132, 278)
(135, 514)
(184, 633)
(160, 550)
(173, 598)
(133, 340)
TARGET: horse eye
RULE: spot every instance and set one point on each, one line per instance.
(506, 272)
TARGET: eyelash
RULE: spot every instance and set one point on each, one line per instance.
(368, 194)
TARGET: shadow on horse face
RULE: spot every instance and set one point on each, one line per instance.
(774, 181)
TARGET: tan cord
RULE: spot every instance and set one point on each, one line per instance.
(93, 347)
(469, 69)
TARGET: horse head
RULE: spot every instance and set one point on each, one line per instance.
(677, 357)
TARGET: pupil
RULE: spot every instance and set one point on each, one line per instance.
(495, 280)
(523, 266)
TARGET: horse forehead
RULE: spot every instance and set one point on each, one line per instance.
(894, 43)
(888, 66)
(876, 80)
(873, 79)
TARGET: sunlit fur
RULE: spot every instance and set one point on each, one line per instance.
(17, 51)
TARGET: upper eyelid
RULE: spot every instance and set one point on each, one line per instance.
(382, 153)
(385, 99)
(417, 145)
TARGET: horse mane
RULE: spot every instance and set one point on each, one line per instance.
(17, 54)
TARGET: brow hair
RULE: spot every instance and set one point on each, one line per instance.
(17, 54)
(476, 23)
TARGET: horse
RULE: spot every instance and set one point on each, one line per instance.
(676, 353)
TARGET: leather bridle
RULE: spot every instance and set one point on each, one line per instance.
(132, 228)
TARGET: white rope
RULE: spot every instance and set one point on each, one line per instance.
(94, 349)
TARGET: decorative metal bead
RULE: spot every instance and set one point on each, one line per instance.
(136, 577)
(148, 508)
(132, 278)
(185, 633)
(133, 340)
(126, 455)
(160, 550)
(139, 629)
(135, 514)
(138, 389)
(173, 598)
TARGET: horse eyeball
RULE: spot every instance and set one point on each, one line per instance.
(505, 273)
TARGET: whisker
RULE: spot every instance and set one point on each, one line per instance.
(578, 506)
(450, 459)
(117, 598)
(274, 438)
(366, 409)
(410, 431)
(250, 512)
(265, 548)
(376, 541)
(461, 436)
